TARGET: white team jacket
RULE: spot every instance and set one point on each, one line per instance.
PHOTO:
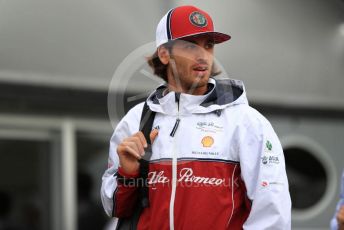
(222, 167)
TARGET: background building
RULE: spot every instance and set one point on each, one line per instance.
(57, 65)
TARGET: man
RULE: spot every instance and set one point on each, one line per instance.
(216, 162)
(337, 222)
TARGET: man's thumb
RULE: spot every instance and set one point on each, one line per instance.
(153, 135)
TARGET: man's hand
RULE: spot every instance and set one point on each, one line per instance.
(132, 149)
(340, 218)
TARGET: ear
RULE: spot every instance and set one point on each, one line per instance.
(164, 55)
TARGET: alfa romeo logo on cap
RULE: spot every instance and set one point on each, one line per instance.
(198, 19)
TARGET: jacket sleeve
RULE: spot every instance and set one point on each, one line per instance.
(114, 195)
(334, 223)
(263, 171)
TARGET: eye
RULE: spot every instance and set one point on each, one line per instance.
(190, 46)
(209, 45)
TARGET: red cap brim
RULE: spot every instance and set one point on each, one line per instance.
(217, 36)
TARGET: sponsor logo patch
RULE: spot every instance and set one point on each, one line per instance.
(205, 153)
(186, 175)
(198, 19)
(266, 183)
(209, 127)
(268, 146)
(207, 141)
(270, 160)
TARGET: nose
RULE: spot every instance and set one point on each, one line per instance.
(202, 56)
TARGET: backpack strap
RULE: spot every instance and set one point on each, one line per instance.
(146, 124)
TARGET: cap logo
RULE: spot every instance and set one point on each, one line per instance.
(198, 19)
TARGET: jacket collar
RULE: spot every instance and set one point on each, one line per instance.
(224, 93)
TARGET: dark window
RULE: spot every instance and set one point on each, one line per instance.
(307, 177)
(24, 188)
(92, 154)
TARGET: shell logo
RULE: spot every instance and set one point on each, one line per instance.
(207, 141)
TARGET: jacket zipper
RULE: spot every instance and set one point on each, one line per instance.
(174, 164)
(175, 127)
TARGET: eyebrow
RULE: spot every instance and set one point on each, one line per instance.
(191, 41)
(194, 41)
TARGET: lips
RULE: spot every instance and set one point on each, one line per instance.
(200, 68)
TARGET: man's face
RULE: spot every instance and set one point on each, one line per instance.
(191, 63)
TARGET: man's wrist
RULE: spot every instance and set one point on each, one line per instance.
(125, 179)
(125, 174)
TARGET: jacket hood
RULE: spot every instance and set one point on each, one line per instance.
(222, 93)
